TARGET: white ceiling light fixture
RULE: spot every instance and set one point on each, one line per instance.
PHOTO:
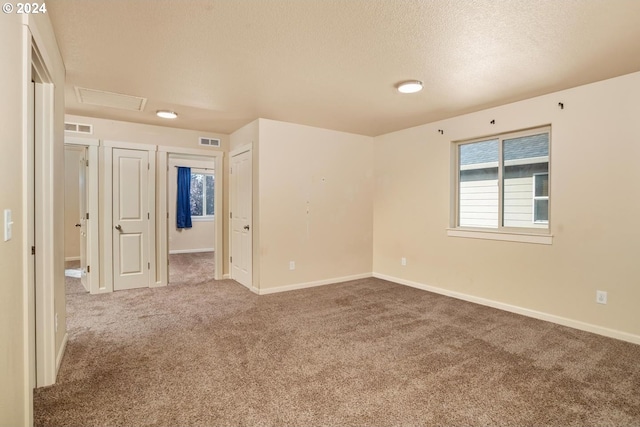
(410, 86)
(166, 114)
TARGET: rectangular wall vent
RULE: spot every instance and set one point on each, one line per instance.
(78, 128)
(210, 142)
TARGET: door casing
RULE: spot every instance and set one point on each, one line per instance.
(162, 261)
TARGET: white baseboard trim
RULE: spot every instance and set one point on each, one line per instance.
(312, 284)
(60, 355)
(72, 258)
(226, 276)
(576, 324)
(190, 251)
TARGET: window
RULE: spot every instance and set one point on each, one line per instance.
(541, 198)
(202, 195)
(503, 182)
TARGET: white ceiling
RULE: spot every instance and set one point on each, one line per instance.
(334, 63)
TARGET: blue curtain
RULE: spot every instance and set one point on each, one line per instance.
(183, 204)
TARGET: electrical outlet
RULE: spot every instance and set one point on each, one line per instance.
(292, 265)
(403, 261)
(601, 297)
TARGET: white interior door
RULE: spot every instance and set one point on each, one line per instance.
(130, 219)
(82, 204)
(241, 218)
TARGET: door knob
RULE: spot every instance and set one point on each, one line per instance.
(246, 227)
(78, 225)
(119, 227)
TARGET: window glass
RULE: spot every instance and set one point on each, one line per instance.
(525, 159)
(541, 210)
(541, 198)
(478, 184)
(503, 182)
(209, 194)
(542, 185)
(197, 191)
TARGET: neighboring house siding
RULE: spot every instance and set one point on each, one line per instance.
(518, 203)
(479, 197)
(479, 203)
(518, 194)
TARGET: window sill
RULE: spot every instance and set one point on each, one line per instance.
(510, 236)
(202, 219)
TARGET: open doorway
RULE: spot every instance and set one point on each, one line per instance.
(192, 242)
(80, 215)
(75, 199)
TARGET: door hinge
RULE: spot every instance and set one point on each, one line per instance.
(231, 259)
(87, 163)
(148, 166)
(167, 215)
(87, 215)
(33, 250)
(230, 171)
(88, 269)
(148, 266)
(230, 214)
(148, 216)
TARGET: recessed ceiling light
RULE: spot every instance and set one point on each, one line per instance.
(165, 114)
(410, 86)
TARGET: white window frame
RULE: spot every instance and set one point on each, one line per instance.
(533, 213)
(514, 234)
(199, 218)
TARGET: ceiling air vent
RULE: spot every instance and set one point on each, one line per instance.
(78, 128)
(210, 142)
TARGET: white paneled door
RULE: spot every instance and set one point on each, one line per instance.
(241, 218)
(130, 219)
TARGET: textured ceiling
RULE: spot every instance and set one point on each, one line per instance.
(334, 63)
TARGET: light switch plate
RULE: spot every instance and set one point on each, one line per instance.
(8, 225)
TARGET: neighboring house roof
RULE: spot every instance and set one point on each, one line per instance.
(515, 148)
(479, 152)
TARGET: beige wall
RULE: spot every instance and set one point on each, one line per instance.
(12, 307)
(72, 157)
(15, 394)
(594, 156)
(202, 235)
(315, 198)
(114, 130)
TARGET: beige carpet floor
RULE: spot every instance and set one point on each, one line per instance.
(191, 268)
(361, 353)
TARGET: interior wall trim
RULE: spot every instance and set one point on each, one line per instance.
(312, 284)
(571, 323)
(190, 251)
